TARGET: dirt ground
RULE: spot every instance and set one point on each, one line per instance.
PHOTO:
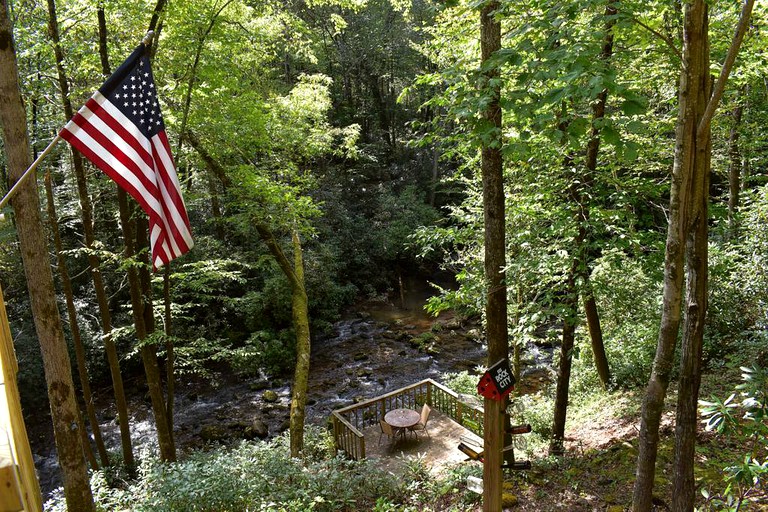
(596, 474)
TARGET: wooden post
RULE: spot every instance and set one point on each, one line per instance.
(12, 420)
(495, 250)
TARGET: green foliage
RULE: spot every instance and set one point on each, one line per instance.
(743, 417)
(461, 382)
(628, 297)
(262, 476)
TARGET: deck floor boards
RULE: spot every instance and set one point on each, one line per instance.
(439, 451)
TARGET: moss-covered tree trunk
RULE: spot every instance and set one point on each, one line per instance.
(300, 313)
(37, 268)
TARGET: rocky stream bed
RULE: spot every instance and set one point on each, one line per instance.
(370, 353)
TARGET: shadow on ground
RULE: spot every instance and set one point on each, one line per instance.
(439, 451)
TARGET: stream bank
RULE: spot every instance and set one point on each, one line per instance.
(376, 349)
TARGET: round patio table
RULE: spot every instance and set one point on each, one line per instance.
(402, 418)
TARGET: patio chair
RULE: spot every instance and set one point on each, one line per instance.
(387, 429)
(421, 426)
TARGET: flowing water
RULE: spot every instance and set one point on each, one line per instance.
(369, 353)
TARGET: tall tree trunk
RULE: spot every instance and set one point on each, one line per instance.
(149, 358)
(300, 312)
(595, 331)
(734, 167)
(170, 359)
(593, 148)
(686, 421)
(687, 224)
(495, 257)
(570, 305)
(679, 214)
(74, 327)
(93, 259)
(34, 252)
(138, 307)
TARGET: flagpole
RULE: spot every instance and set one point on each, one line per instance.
(29, 170)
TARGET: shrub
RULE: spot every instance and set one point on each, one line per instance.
(629, 304)
(743, 416)
(252, 476)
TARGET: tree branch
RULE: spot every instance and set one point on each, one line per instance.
(730, 58)
(670, 43)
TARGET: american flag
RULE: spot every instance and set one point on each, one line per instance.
(120, 129)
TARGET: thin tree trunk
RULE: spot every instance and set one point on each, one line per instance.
(214, 170)
(687, 223)
(570, 305)
(170, 359)
(34, 252)
(170, 355)
(734, 167)
(193, 73)
(93, 259)
(216, 216)
(74, 327)
(595, 333)
(435, 175)
(495, 258)
(518, 349)
(300, 312)
(149, 350)
(141, 305)
(593, 148)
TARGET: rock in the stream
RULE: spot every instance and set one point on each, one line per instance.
(213, 432)
(257, 428)
(270, 396)
(258, 385)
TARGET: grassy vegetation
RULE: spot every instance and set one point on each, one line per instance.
(597, 472)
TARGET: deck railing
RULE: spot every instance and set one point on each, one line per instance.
(349, 422)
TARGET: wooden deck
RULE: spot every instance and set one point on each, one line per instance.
(439, 451)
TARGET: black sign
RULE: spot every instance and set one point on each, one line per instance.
(497, 381)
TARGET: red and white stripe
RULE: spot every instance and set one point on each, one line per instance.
(142, 166)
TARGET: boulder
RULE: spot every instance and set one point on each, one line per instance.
(213, 432)
(257, 429)
(270, 396)
(258, 385)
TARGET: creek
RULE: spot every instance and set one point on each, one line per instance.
(376, 349)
